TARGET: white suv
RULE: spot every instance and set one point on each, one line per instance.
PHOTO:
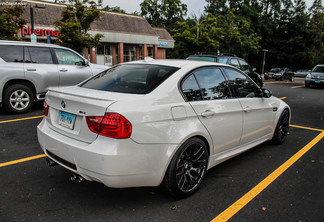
(28, 70)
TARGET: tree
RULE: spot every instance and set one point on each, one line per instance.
(114, 9)
(75, 24)
(163, 13)
(11, 21)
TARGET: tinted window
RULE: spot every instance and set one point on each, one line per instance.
(191, 89)
(202, 58)
(222, 60)
(212, 84)
(135, 79)
(11, 53)
(235, 62)
(318, 69)
(40, 55)
(242, 86)
(245, 67)
(67, 57)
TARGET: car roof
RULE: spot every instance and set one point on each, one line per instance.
(179, 63)
(22, 43)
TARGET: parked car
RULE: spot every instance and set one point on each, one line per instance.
(316, 77)
(279, 74)
(153, 122)
(231, 60)
(302, 73)
(28, 70)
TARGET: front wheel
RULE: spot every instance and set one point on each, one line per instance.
(187, 168)
(18, 98)
(282, 128)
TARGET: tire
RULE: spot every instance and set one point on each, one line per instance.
(187, 168)
(282, 128)
(307, 85)
(18, 98)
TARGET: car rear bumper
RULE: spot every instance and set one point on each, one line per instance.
(115, 163)
(314, 81)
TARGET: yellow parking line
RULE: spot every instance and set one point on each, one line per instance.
(15, 120)
(308, 128)
(294, 87)
(239, 204)
(283, 98)
(22, 160)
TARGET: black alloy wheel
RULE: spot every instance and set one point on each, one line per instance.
(187, 168)
(282, 128)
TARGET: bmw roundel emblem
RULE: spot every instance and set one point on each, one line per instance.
(63, 104)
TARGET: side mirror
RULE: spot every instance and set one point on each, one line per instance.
(86, 62)
(266, 93)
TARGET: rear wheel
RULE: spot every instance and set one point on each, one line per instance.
(282, 128)
(187, 168)
(18, 98)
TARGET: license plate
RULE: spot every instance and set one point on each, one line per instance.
(317, 81)
(66, 119)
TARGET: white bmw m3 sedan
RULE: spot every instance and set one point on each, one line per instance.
(158, 122)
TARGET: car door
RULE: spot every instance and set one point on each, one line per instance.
(209, 95)
(71, 67)
(40, 68)
(258, 112)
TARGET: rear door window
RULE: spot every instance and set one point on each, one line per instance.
(130, 78)
(41, 55)
(11, 53)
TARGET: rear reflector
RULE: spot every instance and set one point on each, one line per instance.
(46, 108)
(111, 125)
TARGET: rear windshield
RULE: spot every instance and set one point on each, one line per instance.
(318, 69)
(130, 78)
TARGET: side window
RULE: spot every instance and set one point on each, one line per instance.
(242, 86)
(66, 57)
(191, 89)
(212, 84)
(222, 60)
(11, 53)
(245, 67)
(40, 55)
(27, 58)
(235, 62)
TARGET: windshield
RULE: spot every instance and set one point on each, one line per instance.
(130, 78)
(275, 70)
(318, 69)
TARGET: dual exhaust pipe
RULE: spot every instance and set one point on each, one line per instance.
(74, 177)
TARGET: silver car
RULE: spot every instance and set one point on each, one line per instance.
(28, 70)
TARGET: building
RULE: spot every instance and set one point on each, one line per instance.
(126, 37)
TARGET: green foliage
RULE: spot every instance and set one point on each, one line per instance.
(163, 13)
(11, 21)
(114, 9)
(223, 33)
(75, 24)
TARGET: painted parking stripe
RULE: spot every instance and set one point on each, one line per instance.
(22, 160)
(243, 201)
(16, 120)
(294, 87)
(308, 128)
(283, 98)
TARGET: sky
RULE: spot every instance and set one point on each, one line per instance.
(195, 7)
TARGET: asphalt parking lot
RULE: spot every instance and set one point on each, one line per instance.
(267, 183)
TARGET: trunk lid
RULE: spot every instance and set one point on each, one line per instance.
(69, 108)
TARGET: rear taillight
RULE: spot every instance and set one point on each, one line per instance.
(111, 125)
(46, 108)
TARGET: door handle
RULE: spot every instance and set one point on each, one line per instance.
(207, 114)
(247, 109)
(63, 70)
(31, 70)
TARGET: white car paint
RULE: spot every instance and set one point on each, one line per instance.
(162, 121)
